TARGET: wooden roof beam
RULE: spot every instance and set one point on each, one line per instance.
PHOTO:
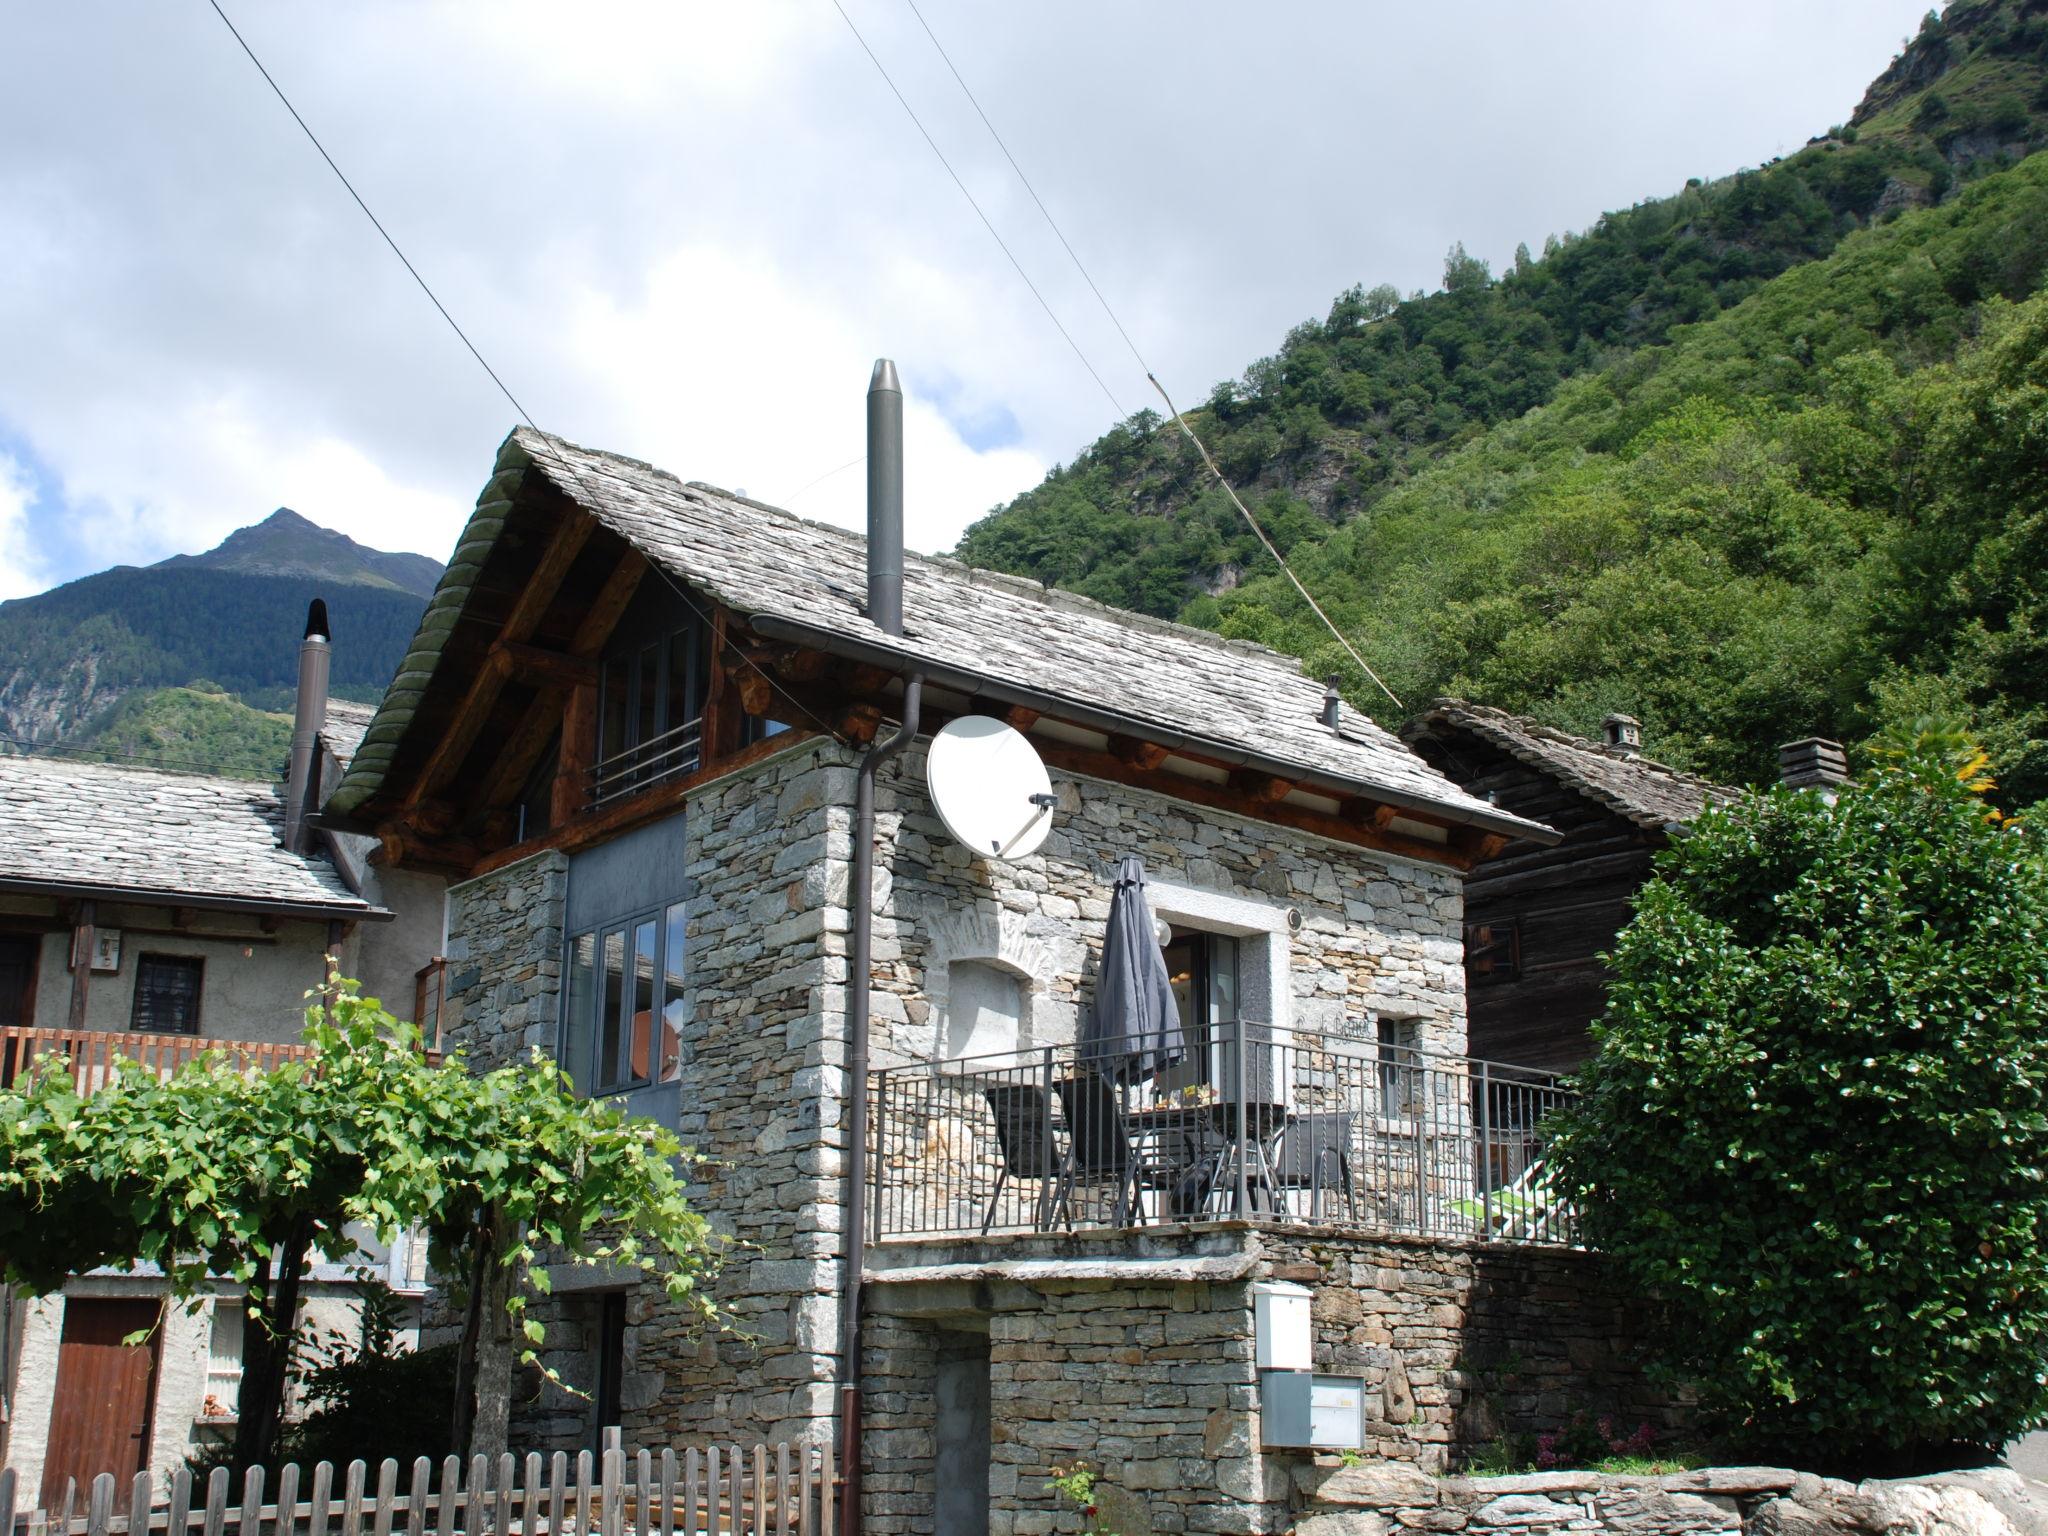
(610, 605)
(1136, 753)
(570, 535)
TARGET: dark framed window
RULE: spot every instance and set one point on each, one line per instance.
(650, 708)
(167, 989)
(1493, 952)
(623, 1009)
(1400, 1063)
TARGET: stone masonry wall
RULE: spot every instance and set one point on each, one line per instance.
(1150, 1377)
(763, 1095)
(505, 961)
(1377, 932)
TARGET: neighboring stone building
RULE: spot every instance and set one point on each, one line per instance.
(632, 733)
(154, 915)
(1537, 919)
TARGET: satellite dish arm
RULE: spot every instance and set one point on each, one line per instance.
(859, 978)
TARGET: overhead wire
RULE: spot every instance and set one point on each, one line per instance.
(1107, 393)
(821, 479)
(1138, 356)
(106, 755)
(522, 412)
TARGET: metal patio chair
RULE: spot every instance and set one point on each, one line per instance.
(1028, 1143)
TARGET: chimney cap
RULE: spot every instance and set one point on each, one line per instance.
(316, 620)
(1813, 762)
(1624, 733)
(883, 380)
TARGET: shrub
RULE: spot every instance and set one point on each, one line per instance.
(1815, 1127)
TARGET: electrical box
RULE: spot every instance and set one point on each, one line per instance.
(1301, 1410)
(1282, 1334)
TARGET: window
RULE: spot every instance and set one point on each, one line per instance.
(167, 994)
(1400, 1067)
(650, 706)
(1493, 952)
(624, 977)
(1202, 968)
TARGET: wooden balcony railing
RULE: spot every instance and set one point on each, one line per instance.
(92, 1052)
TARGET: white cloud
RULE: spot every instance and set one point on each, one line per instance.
(20, 572)
(686, 232)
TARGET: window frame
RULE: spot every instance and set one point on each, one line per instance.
(668, 983)
(195, 964)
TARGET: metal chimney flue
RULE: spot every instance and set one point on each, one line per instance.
(1332, 699)
(309, 718)
(885, 499)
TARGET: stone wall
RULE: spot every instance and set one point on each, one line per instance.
(1135, 1353)
(505, 961)
(1361, 933)
(1713, 1501)
(763, 1093)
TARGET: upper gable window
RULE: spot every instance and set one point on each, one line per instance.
(650, 707)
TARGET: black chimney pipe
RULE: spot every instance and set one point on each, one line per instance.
(309, 718)
(885, 499)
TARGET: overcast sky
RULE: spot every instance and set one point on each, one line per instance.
(684, 232)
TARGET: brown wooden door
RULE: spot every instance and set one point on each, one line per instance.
(100, 1420)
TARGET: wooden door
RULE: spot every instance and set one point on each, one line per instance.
(101, 1417)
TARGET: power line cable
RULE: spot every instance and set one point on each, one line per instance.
(311, 136)
(821, 479)
(1152, 378)
(106, 756)
(1026, 180)
(1349, 649)
(1107, 393)
(523, 414)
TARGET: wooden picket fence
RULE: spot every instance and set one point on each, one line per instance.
(778, 1490)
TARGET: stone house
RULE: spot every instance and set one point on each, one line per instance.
(154, 915)
(669, 747)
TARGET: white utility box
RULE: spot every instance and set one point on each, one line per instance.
(1282, 1333)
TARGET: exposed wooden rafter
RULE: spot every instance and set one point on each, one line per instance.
(609, 605)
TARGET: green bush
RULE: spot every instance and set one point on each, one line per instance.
(1815, 1128)
(375, 1399)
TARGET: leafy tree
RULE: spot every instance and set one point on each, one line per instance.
(1817, 1120)
(215, 1171)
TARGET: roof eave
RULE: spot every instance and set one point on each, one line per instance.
(145, 896)
(879, 653)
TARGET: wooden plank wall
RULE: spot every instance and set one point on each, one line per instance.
(1569, 900)
(768, 1490)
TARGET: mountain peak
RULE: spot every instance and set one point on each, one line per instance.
(288, 544)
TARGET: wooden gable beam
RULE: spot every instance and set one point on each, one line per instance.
(463, 728)
(610, 605)
(571, 534)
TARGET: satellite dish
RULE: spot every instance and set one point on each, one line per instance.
(990, 788)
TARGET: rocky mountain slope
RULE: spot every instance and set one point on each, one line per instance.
(77, 660)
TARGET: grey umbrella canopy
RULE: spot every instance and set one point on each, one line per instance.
(1134, 1029)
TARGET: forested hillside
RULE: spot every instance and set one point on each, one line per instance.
(1744, 461)
(106, 660)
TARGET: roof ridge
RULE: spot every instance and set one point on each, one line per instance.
(1024, 585)
(1528, 725)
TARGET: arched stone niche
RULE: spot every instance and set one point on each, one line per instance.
(986, 978)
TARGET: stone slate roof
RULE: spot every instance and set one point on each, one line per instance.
(1647, 792)
(1229, 698)
(86, 828)
(343, 732)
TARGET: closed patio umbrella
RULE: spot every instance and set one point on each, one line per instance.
(1134, 1029)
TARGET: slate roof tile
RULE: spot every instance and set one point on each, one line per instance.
(87, 826)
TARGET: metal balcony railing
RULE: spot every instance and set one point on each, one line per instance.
(1256, 1123)
(668, 756)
